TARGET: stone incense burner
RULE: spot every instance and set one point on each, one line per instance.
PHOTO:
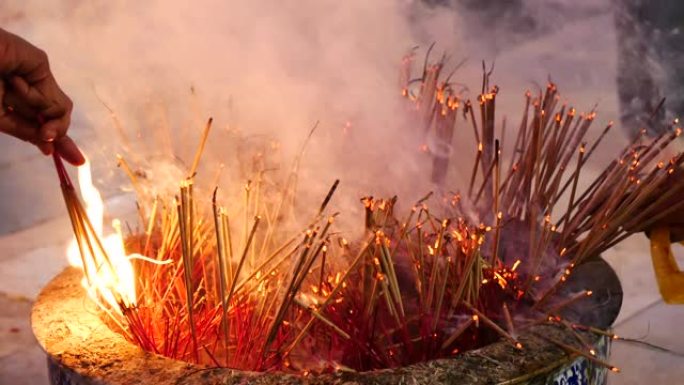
(81, 349)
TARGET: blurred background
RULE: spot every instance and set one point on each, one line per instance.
(279, 66)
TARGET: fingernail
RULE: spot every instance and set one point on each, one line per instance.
(49, 135)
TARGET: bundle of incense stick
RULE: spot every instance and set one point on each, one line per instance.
(635, 191)
(242, 289)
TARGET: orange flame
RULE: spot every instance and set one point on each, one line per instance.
(105, 283)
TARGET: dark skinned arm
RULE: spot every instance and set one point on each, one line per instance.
(34, 108)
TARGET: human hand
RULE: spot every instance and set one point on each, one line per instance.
(34, 108)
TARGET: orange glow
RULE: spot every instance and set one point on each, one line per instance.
(500, 280)
(308, 300)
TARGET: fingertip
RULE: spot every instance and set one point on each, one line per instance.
(46, 148)
(48, 135)
(52, 130)
(78, 160)
(69, 151)
(73, 157)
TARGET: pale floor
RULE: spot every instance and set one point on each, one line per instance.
(581, 58)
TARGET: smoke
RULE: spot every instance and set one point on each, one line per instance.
(274, 68)
(259, 68)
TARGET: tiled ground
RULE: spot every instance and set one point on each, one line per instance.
(580, 55)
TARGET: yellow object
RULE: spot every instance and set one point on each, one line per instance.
(670, 278)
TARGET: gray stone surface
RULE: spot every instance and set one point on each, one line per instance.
(22, 362)
(28, 179)
(29, 259)
(659, 324)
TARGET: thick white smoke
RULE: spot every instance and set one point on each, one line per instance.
(278, 66)
(261, 67)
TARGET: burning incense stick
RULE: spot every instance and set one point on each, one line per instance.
(424, 287)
